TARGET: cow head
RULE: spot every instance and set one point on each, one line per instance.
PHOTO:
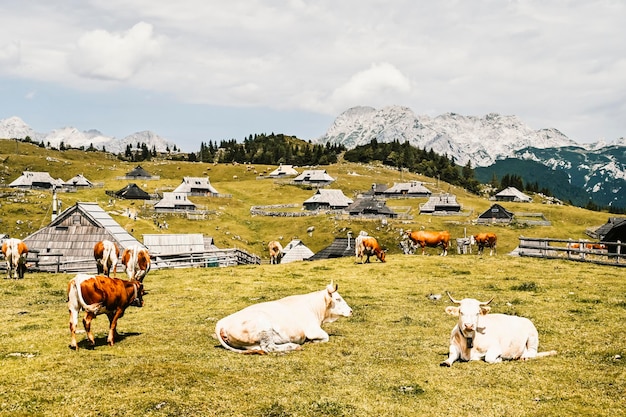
(468, 311)
(139, 293)
(336, 305)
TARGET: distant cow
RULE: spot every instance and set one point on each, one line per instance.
(15, 252)
(494, 337)
(282, 325)
(106, 254)
(432, 239)
(483, 240)
(100, 295)
(276, 251)
(136, 259)
(366, 246)
(590, 246)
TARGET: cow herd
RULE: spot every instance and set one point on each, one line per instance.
(284, 325)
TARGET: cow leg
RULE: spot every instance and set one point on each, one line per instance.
(317, 335)
(73, 324)
(453, 356)
(493, 355)
(271, 341)
(113, 325)
(87, 323)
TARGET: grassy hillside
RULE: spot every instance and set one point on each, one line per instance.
(229, 221)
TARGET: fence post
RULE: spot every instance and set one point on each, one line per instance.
(619, 251)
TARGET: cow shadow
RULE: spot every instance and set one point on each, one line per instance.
(102, 341)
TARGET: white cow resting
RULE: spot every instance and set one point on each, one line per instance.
(494, 337)
(282, 325)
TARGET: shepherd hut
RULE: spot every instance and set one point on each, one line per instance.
(131, 192)
(30, 179)
(66, 244)
(174, 202)
(295, 251)
(314, 177)
(198, 186)
(495, 214)
(512, 194)
(327, 200)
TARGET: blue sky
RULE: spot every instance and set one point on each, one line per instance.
(198, 70)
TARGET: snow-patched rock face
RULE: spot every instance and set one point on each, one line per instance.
(14, 127)
(481, 140)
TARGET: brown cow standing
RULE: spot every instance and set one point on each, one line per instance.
(100, 295)
(367, 246)
(486, 240)
(276, 252)
(15, 252)
(136, 259)
(106, 254)
(431, 239)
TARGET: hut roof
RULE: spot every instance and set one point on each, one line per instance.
(496, 211)
(283, 171)
(370, 205)
(30, 179)
(78, 181)
(75, 232)
(174, 201)
(513, 194)
(440, 202)
(132, 192)
(339, 248)
(295, 251)
(408, 189)
(613, 230)
(334, 198)
(314, 176)
(138, 172)
(174, 244)
(191, 185)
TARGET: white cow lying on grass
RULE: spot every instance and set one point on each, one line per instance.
(494, 337)
(282, 325)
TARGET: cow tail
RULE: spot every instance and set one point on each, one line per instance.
(219, 333)
(90, 308)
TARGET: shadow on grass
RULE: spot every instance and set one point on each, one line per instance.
(102, 341)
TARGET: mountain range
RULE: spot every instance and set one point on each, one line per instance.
(14, 127)
(494, 145)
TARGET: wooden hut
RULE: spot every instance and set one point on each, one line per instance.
(295, 251)
(174, 202)
(37, 180)
(368, 206)
(327, 200)
(138, 173)
(407, 189)
(198, 186)
(78, 181)
(441, 204)
(314, 178)
(283, 171)
(512, 194)
(613, 231)
(131, 192)
(66, 244)
(495, 214)
(340, 247)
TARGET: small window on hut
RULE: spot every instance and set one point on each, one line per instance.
(494, 210)
(76, 219)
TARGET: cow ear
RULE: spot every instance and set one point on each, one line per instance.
(452, 310)
(484, 310)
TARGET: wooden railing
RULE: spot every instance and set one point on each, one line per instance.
(604, 253)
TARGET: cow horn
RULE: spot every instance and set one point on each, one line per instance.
(452, 299)
(486, 302)
(332, 287)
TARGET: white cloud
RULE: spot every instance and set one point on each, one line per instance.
(114, 56)
(9, 54)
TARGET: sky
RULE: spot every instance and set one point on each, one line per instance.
(196, 71)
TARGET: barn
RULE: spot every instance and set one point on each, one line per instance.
(407, 189)
(295, 251)
(512, 194)
(66, 244)
(441, 204)
(78, 181)
(198, 186)
(174, 202)
(283, 171)
(495, 214)
(314, 178)
(38, 180)
(370, 207)
(613, 231)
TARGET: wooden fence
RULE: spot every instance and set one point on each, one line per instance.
(603, 253)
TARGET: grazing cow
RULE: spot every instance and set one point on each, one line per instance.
(15, 252)
(483, 240)
(431, 239)
(106, 254)
(137, 262)
(367, 246)
(282, 325)
(276, 252)
(494, 337)
(100, 295)
(590, 246)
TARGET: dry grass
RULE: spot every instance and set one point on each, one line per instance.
(383, 361)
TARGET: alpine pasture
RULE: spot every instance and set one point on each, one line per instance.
(382, 361)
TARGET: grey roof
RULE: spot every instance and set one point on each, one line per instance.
(75, 232)
(196, 185)
(370, 205)
(79, 181)
(413, 188)
(29, 179)
(339, 248)
(172, 244)
(173, 201)
(283, 171)
(440, 202)
(139, 172)
(295, 251)
(333, 198)
(514, 194)
(132, 192)
(314, 175)
(496, 211)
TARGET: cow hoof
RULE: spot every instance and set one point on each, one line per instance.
(73, 347)
(444, 363)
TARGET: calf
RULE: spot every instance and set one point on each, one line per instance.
(366, 246)
(106, 254)
(15, 252)
(492, 337)
(282, 325)
(136, 259)
(100, 295)
(276, 252)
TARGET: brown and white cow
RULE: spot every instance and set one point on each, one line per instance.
(432, 239)
(100, 295)
(276, 251)
(136, 260)
(492, 337)
(366, 246)
(488, 240)
(106, 254)
(15, 252)
(282, 325)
